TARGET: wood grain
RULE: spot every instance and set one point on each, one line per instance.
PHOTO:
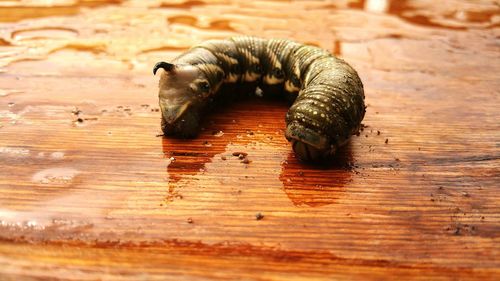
(88, 191)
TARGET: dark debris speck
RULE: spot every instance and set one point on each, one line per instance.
(240, 154)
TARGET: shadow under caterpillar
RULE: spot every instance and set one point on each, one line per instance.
(326, 93)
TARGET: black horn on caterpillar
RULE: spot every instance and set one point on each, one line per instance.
(169, 67)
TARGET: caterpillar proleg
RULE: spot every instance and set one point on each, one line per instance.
(326, 93)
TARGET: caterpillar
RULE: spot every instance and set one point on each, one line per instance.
(326, 94)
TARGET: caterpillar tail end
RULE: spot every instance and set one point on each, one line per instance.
(309, 146)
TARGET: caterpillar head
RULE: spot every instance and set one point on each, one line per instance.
(183, 92)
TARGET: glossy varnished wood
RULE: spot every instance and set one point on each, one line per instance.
(90, 190)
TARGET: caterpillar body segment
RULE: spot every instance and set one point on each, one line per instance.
(326, 93)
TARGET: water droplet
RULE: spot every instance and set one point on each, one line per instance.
(57, 155)
(14, 151)
(44, 32)
(55, 175)
(31, 223)
(218, 133)
(6, 92)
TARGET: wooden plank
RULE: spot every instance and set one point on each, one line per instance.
(89, 191)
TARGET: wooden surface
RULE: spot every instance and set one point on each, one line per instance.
(88, 191)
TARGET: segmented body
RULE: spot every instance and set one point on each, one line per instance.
(327, 94)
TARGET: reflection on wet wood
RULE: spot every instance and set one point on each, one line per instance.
(89, 191)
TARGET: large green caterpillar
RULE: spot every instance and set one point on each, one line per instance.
(327, 94)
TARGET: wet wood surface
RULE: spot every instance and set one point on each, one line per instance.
(89, 191)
